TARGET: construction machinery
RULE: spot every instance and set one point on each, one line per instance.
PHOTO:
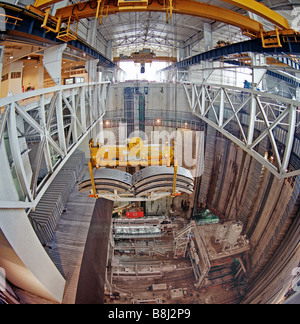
(159, 175)
(65, 21)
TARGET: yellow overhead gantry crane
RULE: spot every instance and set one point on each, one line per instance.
(66, 16)
(136, 153)
(143, 57)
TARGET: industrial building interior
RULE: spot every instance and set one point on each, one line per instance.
(150, 152)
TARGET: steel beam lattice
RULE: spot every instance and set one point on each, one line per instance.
(52, 123)
(247, 117)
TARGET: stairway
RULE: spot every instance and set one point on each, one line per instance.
(181, 240)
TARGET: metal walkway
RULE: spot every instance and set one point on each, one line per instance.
(289, 47)
(248, 117)
(41, 129)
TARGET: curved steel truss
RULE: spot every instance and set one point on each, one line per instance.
(51, 123)
(263, 125)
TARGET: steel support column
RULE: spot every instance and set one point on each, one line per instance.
(290, 138)
(52, 61)
(91, 68)
(252, 116)
(16, 152)
(60, 123)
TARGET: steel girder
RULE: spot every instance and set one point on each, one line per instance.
(262, 11)
(56, 120)
(30, 24)
(195, 8)
(249, 46)
(247, 117)
(186, 7)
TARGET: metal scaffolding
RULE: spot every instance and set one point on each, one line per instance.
(181, 240)
(54, 121)
(247, 117)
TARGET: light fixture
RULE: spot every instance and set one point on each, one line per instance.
(29, 58)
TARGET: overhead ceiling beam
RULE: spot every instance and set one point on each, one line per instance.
(261, 10)
(185, 7)
(41, 4)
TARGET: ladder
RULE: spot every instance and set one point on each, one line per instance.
(181, 240)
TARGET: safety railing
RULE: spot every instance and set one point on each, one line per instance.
(40, 130)
(254, 116)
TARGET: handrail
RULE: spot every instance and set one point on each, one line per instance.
(210, 102)
(60, 134)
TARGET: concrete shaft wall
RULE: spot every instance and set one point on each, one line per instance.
(238, 187)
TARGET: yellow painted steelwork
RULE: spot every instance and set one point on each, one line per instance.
(261, 10)
(186, 7)
(249, 27)
(136, 153)
(132, 4)
(42, 4)
(144, 58)
(101, 10)
(56, 20)
(272, 41)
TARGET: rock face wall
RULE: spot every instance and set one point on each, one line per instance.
(239, 188)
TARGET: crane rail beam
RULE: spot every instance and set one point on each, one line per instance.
(262, 11)
(179, 5)
(185, 7)
(249, 27)
(42, 4)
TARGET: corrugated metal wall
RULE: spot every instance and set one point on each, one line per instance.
(46, 216)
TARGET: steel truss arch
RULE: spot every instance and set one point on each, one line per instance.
(247, 117)
(57, 120)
